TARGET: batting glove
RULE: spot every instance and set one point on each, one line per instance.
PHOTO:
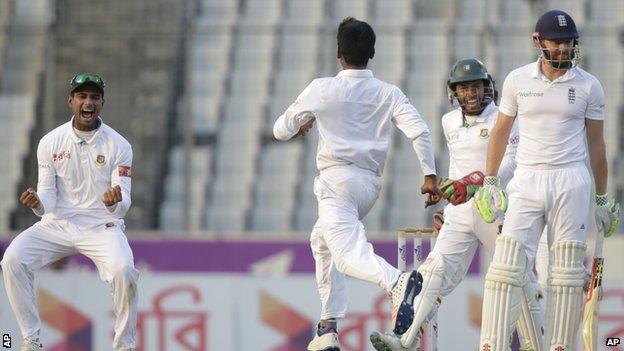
(491, 200)
(607, 215)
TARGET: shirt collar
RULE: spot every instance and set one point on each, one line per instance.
(537, 74)
(76, 139)
(356, 73)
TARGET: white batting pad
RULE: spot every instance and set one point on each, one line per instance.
(531, 322)
(564, 305)
(502, 294)
(432, 271)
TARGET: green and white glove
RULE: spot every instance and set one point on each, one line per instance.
(607, 215)
(491, 200)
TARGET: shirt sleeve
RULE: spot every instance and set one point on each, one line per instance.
(452, 172)
(122, 176)
(46, 184)
(508, 104)
(299, 113)
(596, 102)
(508, 164)
(408, 120)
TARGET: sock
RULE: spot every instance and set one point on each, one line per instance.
(327, 326)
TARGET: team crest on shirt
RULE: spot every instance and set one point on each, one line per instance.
(571, 95)
(100, 160)
(484, 134)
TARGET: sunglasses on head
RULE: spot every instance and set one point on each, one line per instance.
(82, 78)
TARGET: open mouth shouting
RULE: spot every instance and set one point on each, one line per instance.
(87, 113)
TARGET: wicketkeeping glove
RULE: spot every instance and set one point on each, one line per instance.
(607, 215)
(461, 190)
(491, 200)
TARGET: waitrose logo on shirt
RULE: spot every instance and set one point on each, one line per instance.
(530, 94)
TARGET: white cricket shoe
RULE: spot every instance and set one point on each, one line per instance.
(402, 300)
(29, 345)
(325, 342)
(390, 342)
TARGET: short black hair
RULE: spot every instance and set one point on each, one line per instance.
(356, 41)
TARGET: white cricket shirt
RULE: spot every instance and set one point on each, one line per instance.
(354, 113)
(467, 145)
(74, 174)
(551, 114)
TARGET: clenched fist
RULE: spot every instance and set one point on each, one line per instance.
(30, 199)
(112, 196)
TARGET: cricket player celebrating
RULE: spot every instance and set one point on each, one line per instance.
(355, 113)
(556, 104)
(467, 131)
(82, 195)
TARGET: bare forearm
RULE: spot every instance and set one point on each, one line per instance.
(496, 151)
(600, 168)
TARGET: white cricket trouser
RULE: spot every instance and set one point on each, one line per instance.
(555, 199)
(458, 240)
(345, 194)
(50, 240)
(542, 262)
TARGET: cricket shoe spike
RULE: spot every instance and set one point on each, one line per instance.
(402, 300)
(390, 342)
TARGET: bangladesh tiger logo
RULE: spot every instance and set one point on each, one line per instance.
(100, 160)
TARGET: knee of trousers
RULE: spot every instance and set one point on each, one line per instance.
(433, 270)
(341, 264)
(567, 268)
(509, 262)
(125, 272)
(11, 259)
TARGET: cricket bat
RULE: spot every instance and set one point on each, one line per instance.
(592, 301)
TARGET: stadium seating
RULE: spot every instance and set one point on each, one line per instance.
(264, 185)
(239, 67)
(23, 35)
(18, 117)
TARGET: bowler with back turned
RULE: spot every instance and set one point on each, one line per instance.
(355, 113)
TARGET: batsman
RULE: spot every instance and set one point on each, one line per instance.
(467, 130)
(557, 106)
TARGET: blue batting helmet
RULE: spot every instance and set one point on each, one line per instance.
(556, 24)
